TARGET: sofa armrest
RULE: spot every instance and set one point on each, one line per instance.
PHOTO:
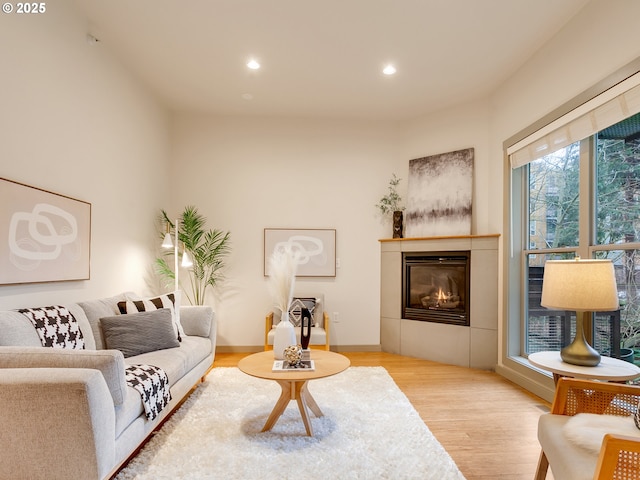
(109, 362)
(56, 423)
(198, 320)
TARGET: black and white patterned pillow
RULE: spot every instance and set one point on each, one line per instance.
(295, 310)
(169, 301)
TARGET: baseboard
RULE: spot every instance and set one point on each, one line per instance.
(541, 389)
(356, 348)
(239, 348)
(260, 348)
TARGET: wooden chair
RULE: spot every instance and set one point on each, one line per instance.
(619, 456)
(319, 334)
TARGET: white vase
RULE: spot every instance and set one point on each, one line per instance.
(284, 336)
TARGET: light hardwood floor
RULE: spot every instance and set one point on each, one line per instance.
(486, 423)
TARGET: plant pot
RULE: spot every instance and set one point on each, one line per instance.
(397, 224)
(626, 354)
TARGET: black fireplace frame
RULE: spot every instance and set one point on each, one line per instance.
(438, 316)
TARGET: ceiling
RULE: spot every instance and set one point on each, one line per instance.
(323, 58)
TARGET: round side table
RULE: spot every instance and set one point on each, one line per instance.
(609, 369)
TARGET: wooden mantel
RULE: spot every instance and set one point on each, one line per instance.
(446, 237)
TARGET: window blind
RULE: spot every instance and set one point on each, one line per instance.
(610, 107)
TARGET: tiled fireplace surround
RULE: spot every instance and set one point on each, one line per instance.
(475, 346)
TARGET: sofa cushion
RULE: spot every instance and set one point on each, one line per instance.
(171, 301)
(17, 330)
(295, 310)
(96, 309)
(567, 460)
(317, 315)
(197, 320)
(109, 362)
(176, 362)
(137, 333)
(129, 411)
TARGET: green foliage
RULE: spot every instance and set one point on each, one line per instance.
(392, 201)
(207, 249)
(554, 211)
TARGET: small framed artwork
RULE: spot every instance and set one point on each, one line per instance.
(317, 249)
(44, 236)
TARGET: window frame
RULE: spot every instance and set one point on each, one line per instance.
(514, 364)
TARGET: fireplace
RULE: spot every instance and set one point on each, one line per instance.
(435, 287)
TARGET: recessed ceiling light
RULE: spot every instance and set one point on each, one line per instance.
(389, 70)
(253, 65)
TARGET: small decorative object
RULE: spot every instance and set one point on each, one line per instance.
(392, 203)
(283, 265)
(584, 286)
(305, 328)
(293, 354)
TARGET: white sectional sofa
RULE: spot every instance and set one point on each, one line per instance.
(69, 414)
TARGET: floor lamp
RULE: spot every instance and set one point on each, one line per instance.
(168, 243)
(584, 286)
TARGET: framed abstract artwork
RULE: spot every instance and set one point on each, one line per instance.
(44, 236)
(316, 249)
(439, 195)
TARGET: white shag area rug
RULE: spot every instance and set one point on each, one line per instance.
(369, 430)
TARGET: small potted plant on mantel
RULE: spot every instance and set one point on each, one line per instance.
(392, 203)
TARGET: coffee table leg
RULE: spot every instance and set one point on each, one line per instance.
(287, 394)
(294, 390)
(301, 399)
(311, 403)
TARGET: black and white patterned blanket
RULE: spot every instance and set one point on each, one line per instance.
(153, 385)
(56, 326)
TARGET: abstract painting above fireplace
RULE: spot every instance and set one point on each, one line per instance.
(440, 192)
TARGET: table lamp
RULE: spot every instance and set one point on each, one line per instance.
(584, 286)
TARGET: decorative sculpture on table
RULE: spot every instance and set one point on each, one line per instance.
(293, 355)
(305, 328)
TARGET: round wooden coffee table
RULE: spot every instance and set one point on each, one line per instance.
(294, 383)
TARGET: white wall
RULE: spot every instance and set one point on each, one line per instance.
(457, 128)
(249, 174)
(75, 123)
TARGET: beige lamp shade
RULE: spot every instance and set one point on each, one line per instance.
(580, 285)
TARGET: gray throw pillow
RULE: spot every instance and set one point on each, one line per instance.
(137, 333)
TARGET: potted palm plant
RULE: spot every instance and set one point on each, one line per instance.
(206, 248)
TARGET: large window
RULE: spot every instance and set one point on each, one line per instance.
(583, 199)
